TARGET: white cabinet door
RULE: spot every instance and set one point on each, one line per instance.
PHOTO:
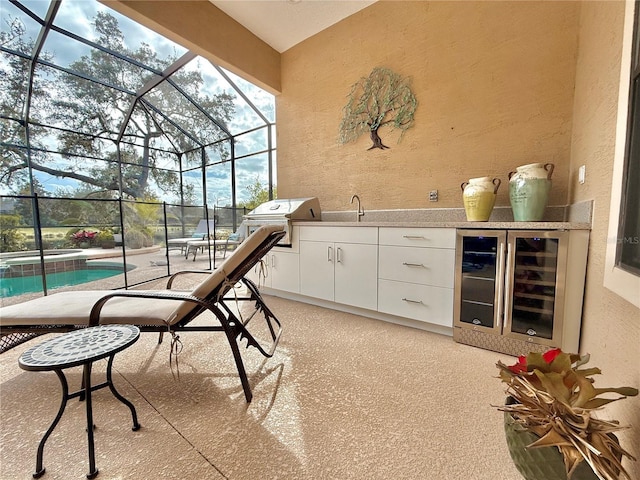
(279, 270)
(284, 271)
(340, 272)
(316, 269)
(356, 272)
(259, 274)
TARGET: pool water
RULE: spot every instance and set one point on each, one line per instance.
(10, 287)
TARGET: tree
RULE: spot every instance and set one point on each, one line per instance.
(140, 220)
(14, 77)
(92, 115)
(258, 194)
(383, 98)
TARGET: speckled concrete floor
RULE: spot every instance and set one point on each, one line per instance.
(344, 397)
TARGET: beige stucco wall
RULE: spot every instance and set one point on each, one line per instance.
(494, 82)
(611, 326)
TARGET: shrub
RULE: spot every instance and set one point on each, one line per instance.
(11, 240)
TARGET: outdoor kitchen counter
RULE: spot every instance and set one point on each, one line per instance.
(577, 216)
(366, 267)
(440, 224)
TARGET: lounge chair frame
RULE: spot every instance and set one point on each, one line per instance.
(234, 327)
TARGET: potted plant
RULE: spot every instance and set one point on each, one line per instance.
(83, 238)
(106, 239)
(550, 412)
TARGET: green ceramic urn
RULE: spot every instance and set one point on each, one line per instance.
(529, 188)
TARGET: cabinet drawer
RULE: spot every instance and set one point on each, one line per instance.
(367, 235)
(420, 302)
(427, 266)
(418, 237)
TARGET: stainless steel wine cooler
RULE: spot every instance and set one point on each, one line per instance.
(519, 291)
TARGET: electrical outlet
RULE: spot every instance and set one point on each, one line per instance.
(582, 173)
(433, 196)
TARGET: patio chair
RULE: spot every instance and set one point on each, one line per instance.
(200, 233)
(165, 310)
(232, 241)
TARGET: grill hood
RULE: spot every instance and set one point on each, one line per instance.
(291, 209)
(282, 212)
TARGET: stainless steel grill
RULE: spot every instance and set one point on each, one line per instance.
(282, 212)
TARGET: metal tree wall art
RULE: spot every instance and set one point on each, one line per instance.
(383, 98)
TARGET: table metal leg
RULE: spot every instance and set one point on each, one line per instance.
(93, 471)
(134, 416)
(65, 396)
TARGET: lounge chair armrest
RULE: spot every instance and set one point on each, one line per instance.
(173, 277)
(94, 316)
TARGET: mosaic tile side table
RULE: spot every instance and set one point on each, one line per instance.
(81, 347)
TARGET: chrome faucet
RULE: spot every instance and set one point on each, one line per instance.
(360, 211)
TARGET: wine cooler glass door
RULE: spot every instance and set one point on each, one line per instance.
(534, 294)
(479, 277)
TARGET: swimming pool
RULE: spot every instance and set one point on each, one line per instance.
(13, 286)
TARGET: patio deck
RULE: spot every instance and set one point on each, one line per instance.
(344, 397)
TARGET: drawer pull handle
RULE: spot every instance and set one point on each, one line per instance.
(411, 301)
(413, 236)
(413, 264)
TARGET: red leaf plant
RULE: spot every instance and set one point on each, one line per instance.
(83, 236)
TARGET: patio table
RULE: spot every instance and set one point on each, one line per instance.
(81, 347)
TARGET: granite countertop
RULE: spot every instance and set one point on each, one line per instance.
(567, 217)
(441, 224)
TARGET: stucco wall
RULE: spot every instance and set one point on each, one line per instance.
(494, 82)
(611, 326)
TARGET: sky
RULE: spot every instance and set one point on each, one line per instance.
(76, 16)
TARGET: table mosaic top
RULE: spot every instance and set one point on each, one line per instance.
(79, 347)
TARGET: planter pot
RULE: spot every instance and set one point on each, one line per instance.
(479, 197)
(545, 463)
(529, 188)
(84, 244)
(108, 244)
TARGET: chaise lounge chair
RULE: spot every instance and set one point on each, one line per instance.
(163, 311)
(223, 244)
(202, 231)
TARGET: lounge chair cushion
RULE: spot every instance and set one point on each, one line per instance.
(73, 308)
